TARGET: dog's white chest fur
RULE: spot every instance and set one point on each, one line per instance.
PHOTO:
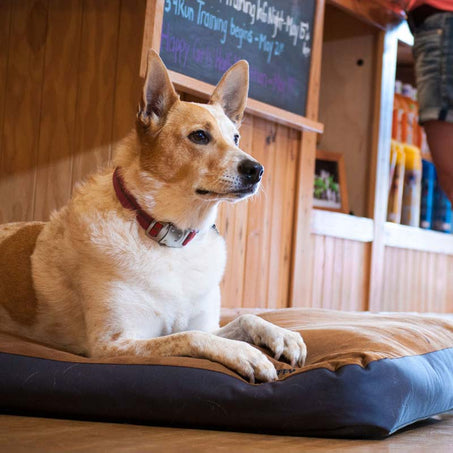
(175, 288)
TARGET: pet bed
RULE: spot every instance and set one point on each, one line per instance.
(366, 376)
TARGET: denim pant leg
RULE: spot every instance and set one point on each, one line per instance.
(433, 53)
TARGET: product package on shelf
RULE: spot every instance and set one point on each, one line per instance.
(410, 211)
(398, 111)
(405, 185)
(427, 197)
(410, 132)
(415, 197)
(396, 181)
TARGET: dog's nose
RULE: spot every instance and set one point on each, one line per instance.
(251, 170)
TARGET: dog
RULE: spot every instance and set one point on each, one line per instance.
(132, 264)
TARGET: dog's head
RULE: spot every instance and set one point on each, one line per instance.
(195, 147)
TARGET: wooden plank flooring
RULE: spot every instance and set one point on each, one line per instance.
(24, 434)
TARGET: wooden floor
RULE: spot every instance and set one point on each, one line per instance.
(28, 434)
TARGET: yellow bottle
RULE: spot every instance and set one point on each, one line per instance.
(397, 164)
(412, 186)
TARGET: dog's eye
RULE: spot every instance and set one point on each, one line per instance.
(199, 137)
(236, 139)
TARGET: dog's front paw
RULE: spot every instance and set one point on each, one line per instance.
(282, 342)
(250, 363)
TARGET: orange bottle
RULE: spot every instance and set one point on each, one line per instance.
(395, 196)
(398, 112)
(410, 214)
(409, 118)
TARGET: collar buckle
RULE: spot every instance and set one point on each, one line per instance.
(174, 237)
(168, 235)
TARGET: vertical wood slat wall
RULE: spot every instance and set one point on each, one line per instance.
(258, 232)
(339, 273)
(417, 281)
(69, 87)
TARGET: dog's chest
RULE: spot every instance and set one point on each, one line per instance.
(175, 286)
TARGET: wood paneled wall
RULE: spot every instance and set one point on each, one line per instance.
(69, 87)
(417, 281)
(413, 280)
(258, 232)
(339, 274)
(346, 99)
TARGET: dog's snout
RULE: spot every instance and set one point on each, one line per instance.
(251, 170)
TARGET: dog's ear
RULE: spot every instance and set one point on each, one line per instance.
(158, 92)
(231, 92)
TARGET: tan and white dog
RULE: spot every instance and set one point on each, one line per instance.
(132, 264)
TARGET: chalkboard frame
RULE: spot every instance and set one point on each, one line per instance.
(152, 39)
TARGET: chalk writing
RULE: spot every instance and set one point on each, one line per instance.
(203, 37)
(258, 11)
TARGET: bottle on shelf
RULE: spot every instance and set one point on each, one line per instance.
(410, 214)
(409, 115)
(427, 196)
(407, 139)
(398, 112)
(415, 197)
(395, 198)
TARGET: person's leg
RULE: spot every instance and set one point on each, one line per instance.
(433, 54)
(440, 141)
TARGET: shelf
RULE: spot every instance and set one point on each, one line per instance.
(406, 237)
(344, 226)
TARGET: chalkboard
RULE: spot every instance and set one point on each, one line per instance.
(203, 38)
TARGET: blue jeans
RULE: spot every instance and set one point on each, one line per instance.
(433, 53)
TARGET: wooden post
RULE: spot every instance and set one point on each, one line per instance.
(152, 30)
(386, 70)
(300, 285)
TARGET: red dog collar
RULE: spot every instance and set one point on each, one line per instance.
(164, 233)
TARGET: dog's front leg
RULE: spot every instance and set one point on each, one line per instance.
(255, 330)
(236, 355)
(115, 326)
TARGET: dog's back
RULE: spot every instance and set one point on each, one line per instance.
(18, 303)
